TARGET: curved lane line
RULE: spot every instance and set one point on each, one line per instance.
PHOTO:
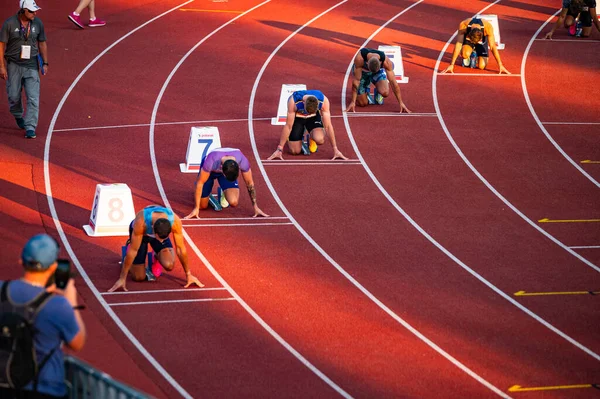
(360, 287)
(480, 176)
(62, 234)
(534, 114)
(463, 265)
(191, 243)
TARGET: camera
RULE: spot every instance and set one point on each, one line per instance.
(61, 275)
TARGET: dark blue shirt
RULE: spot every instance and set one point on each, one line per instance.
(55, 323)
(298, 99)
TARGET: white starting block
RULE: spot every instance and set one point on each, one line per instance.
(112, 211)
(493, 19)
(286, 92)
(394, 53)
(202, 141)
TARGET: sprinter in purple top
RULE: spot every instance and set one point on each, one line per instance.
(308, 110)
(224, 165)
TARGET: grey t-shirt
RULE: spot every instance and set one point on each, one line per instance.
(13, 34)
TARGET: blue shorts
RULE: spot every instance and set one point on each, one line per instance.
(157, 246)
(223, 183)
(369, 77)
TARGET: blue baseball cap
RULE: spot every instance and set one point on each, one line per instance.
(40, 252)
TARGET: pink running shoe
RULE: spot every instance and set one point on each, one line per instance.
(156, 268)
(76, 19)
(573, 29)
(94, 23)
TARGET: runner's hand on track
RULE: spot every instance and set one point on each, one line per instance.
(502, 69)
(193, 280)
(549, 35)
(351, 107)
(193, 214)
(119, 284)
(277, 154)
(450, 69)
(403, 108)
(258, 212)
(338, 154)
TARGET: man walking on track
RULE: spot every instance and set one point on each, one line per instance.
(475, 36)
(373, 67)
(307, 110)
(224, 165)
(22, 49)
(153, 225)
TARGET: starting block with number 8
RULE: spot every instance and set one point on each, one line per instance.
(493, 19)
(286, 92)
(394, 53)
(112, 211)
(202, 141)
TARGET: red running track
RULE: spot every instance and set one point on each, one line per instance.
(389, 276)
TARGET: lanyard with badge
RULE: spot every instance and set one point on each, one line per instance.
(26, 48)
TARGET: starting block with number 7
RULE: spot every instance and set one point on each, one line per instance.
(493, 19)
(286, 92)
(202, 141)
(112, 211)
(394, 53)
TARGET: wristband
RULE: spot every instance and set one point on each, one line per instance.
(279, 148)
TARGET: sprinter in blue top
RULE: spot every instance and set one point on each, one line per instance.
(153, 225)
(307, 110)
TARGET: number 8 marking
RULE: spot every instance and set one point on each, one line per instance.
(115, 214)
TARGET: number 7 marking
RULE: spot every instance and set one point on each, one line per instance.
(208, 143)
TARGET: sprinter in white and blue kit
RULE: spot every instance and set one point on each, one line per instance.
(307, 110)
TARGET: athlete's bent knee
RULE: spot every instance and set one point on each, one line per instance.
(233, 203)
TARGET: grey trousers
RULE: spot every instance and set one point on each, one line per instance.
(20, 78)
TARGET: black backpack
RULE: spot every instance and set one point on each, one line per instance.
(18, 360)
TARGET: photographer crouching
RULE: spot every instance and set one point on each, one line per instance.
(37, 314)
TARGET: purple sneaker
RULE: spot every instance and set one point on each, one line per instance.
(76, 19)
(94, 23)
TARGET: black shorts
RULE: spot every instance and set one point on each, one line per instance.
(309, 124)
(584, 17)
(480, 48)
(157, 246)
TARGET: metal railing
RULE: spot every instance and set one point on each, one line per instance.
(86, 382)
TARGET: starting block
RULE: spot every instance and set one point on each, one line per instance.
(286, 92)
(216, 202)
(202, 141)
(493, 19)
(112, 211)
(394, 53)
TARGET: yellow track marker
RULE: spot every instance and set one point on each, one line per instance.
(589, 161)
(518, 388)
(199, 10)
(523, 293)
(546, 220)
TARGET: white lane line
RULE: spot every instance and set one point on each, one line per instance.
(232, 219)
(308, 160)
(567, 40)
(535, 116)
(180, 290)
(512, 75)
(61, 233)
(586, 247)
(386, 114)
(236, 224)
(351, 279)
(172, 301)
(531, 223)
(571, 123)
(422, 337)
(310, 163)
(200, 122)
(207, 121)
(191, 243)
